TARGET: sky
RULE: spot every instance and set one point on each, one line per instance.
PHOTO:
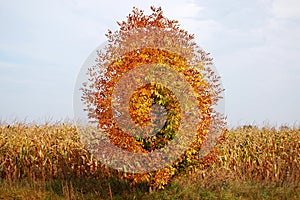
(255, 45)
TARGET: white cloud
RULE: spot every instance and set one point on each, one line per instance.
(286, 8)
(182, 10)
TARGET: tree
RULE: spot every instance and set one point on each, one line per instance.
(152, 94)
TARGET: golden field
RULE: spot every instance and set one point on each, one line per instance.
(49, 162)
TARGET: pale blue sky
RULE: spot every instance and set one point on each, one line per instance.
(255, 44)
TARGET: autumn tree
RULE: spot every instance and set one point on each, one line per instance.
(152, 95)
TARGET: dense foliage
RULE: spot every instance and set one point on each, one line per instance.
(149, 41)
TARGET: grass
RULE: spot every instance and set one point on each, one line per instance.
(49, 162)
(176, 190)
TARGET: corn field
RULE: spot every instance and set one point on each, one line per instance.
(43, 152)
(263, 155)
(51, 152)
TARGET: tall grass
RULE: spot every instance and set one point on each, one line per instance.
(43, 152)
(264, 155)
(51, 158)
